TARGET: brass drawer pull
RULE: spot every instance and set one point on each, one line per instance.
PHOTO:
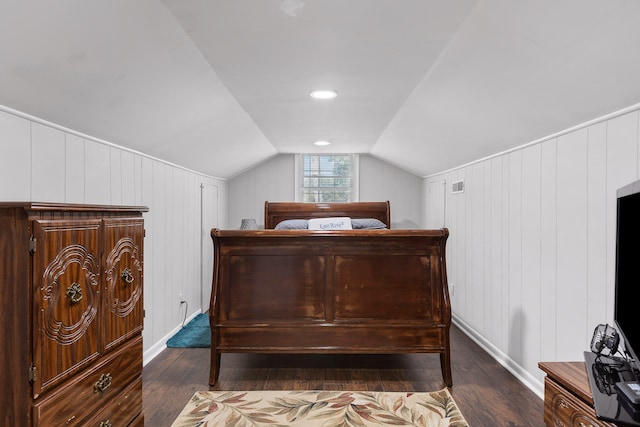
(74, 293)
(105, 423)
(127, 276)
(103, 383)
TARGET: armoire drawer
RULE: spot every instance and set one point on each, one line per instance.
(78, 400)
(122, 411)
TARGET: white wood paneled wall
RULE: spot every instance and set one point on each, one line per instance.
(380, 181)
(272, 181)
(531, 254)
(43, 162)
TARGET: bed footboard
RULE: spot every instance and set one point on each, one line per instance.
(302, 291)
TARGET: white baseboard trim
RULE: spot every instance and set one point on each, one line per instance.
(518, 371)
(160, 345)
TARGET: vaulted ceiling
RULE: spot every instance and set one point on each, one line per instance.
(219, 86)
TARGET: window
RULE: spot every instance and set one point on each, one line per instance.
(327, 178)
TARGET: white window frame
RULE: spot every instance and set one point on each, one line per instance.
(355, 173)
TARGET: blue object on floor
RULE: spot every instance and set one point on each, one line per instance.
(195, 334)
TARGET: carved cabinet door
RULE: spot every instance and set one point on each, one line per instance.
(123, 284)
(66, 278)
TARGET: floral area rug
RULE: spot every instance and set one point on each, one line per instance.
(320, 408)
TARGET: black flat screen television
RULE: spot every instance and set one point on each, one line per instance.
(605, 372)
(626, 309)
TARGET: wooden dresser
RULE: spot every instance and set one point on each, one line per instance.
(71, 310)
(567, 396)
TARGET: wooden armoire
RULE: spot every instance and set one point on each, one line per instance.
(71, 314)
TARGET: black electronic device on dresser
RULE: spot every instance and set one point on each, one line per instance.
(614, 379)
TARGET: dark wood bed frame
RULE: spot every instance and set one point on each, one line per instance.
(349, 291)
(275, 212)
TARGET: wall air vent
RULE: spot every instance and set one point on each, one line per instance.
(457, 187)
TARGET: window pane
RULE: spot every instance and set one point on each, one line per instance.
(310, 182)
(326, 178)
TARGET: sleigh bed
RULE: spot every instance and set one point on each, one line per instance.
(376, 291)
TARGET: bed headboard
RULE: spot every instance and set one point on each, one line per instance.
(275, 212)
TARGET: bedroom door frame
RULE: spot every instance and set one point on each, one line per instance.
(209, 218)
(436, 204)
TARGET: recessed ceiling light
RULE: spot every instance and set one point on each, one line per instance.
(321, 143)
(323, 94)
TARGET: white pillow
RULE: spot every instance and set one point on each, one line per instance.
(337, 223)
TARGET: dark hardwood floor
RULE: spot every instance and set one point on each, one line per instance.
(486, 393)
